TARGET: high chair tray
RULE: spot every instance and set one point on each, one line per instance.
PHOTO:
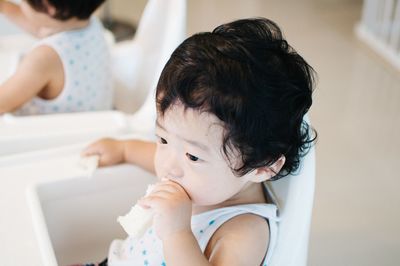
(47, 191)
(75, 219)
(21, 134)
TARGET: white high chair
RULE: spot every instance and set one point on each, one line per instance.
(65, 202)
(29, 133)
(173, 33)
(137, 63)
(294, 195)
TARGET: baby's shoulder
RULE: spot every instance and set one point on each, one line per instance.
(247, 226)
(43, 55)
(41, 62)
(246, 235)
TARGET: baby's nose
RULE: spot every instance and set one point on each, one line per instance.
(172, 167)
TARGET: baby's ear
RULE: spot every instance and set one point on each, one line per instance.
(51, 10)
(265, 173)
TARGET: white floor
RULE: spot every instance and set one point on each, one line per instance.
(356, 112)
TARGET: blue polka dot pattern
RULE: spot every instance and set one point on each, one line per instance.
(211, 222)
(150, 250)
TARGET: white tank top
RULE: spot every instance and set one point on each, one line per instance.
(85, 57)
(148, 249)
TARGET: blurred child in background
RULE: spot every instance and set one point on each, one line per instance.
(68, 69)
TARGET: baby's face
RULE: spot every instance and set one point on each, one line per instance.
(189, 153)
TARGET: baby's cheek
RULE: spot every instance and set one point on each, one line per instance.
(192, 191)
(158, 171)
(157, 164)
(200, 187)
(203, 197)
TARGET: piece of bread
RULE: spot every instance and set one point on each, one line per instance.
(89, 164)
(138, 220)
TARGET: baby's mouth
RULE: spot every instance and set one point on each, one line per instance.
(175, 180)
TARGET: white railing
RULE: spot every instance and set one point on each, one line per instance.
(380, 28)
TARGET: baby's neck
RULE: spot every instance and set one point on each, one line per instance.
(60, 26)
(252, 194)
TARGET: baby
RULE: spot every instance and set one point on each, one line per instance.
(230, 109)
(68, 70)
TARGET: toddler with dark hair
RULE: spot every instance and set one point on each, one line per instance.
(230, 116)
(68, 69)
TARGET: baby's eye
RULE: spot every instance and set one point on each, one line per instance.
(192, 157)
(162, 140)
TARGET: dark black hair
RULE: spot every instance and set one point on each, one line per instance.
(66, 9)
(247, 75)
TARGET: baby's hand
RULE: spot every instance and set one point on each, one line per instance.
(111, 151)
(172, 208)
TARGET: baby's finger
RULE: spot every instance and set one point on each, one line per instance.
(151, 202)
(91, 150)
(174, 185)
(164, 187)
(160, 193)
(103, 160)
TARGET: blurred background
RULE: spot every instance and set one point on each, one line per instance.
(356, 112)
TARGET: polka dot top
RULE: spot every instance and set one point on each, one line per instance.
(148, 249)
(85, 57)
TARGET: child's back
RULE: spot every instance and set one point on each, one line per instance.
(66, 71)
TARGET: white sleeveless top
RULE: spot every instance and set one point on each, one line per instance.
(85, 57)
(148, 249)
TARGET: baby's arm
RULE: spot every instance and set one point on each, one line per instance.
(13, 13)
(182, 249)
(33, 75)
(241, 241)
(140, 153)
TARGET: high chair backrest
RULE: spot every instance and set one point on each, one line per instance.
(295, 196)
(137, 63)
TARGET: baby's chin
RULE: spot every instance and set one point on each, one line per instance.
(199, 207)
(204, 202)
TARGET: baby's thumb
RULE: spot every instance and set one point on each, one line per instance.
(102, 159)
(145, 203)
(90, 150)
